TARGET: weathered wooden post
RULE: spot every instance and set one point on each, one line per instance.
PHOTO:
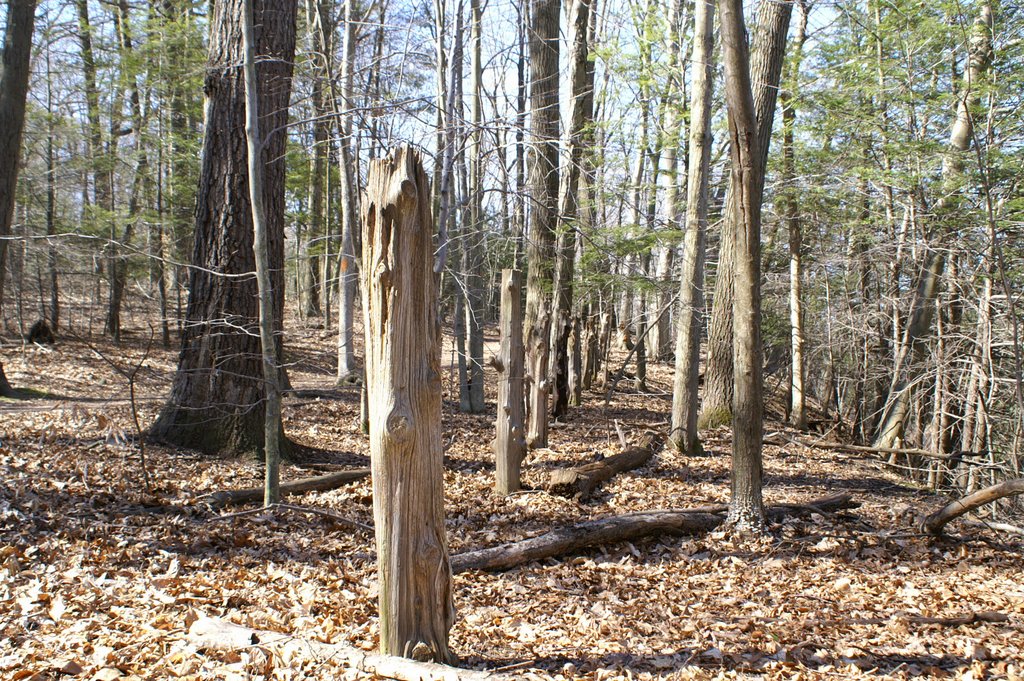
(510, 443)
(403, 384)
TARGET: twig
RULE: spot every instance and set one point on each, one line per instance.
(130, 377)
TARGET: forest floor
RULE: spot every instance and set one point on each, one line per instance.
(100, 578)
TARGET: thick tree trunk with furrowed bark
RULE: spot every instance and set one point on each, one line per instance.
(215, 404)
(543, 162)
(17, 52)
(403, 383)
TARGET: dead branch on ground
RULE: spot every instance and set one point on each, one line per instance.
(622, 528)
(581, 481)
(934, 523)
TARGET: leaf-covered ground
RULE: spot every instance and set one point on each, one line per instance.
(100, 578)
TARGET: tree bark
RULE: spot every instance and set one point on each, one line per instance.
(791, 212)
(746, 507)
(403, 382)
(215, 401)
(17, 52)
(510, 442)
(765, 75)
(581, 114)
(262, 257)
(690, 314)
(473, 238)
(543, 170)
(348, 274)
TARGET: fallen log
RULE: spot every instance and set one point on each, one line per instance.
(622, 528)
(583, 480)
(934, 523)
(320, 483)
(213, 633)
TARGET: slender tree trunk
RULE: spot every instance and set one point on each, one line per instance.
(765, 72)
(581, 114)
(791, 211)
(348, 274)
(403, 381)
(21, 15)
(746, 507)
(309, 287)
(216, 394)
(475, 232)
(544, 20)
(689, 318)
(262, 258)
(51, 205)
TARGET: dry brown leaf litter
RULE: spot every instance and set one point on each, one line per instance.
(100, 579)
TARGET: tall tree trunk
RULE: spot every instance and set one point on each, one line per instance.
(319, 22)
(581, 114)
(765, 72)
(474, 234)
(217, 391)
(791, 211)
(403, 380)
(262, 258)
(51, 204)
(543, 162)
(347, 267)
(118, 267)
(922, 311)
(21, 16)
(689, 319)
(746, 507)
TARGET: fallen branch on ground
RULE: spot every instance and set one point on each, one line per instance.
(214, 633)
(583, 480)
(622, 528)
(924, 453)
(934, 523)
(320, 483)
(957, 621)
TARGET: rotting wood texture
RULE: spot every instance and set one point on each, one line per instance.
(403, 384)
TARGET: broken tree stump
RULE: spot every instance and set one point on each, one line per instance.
(320, 483)
(403, 388)
(510, 440)
(581, 481)
(935, 523)
(624, 528)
